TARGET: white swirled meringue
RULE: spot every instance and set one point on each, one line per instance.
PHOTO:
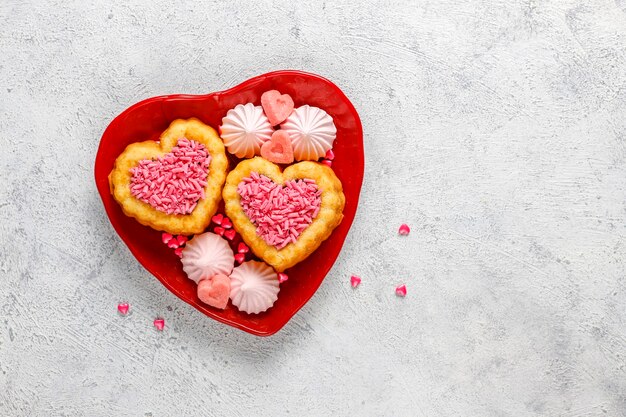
(244, 129)
(253, 287)
(312, 132)
(207, 255)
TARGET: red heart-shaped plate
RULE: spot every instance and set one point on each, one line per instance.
(148, 119)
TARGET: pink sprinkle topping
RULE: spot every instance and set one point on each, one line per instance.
(282, 277)
(280, 212)
(181, 240)
(327, 162)
(159, 324)
(217, 219)
(179, 252)
(242, 248)
(240, 257)
(330, 155)
(173, 183)
(123, 308)
(355, 281)
(230, 234)
(401, 290)
(219, 230)
(226, 223)
(404, 229)
(166, 237)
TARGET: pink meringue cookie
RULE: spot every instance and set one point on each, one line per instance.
(244, 129)
(312, 132)
(207, 255)
(253, 287)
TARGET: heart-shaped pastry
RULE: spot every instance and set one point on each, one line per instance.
(298, 208)
(168, 185)
(215, 291)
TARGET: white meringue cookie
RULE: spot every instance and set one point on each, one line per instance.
(312, 132)
(253, 287)
(244, 129)
(207, 255)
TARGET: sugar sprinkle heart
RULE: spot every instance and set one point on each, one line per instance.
(243, 248)
(240, 257)
(230, 234)
(277, 107)
(278, 149)
(355, 281)
(166, 237)
(179, 252)
(226, 223)
(159, 324)
(217, 219)
(330, 155)
(280, 212)
(282, 277)
(401, 290)
(173, 183)
(404, 230)
(181, 240)
(219, 230)
(123, 308)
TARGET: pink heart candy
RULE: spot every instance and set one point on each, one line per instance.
(240, 257)
(355, 281)
(277, 107)
(166, 237)
(230, 234)
(217, 219)
(282, 277)
(179, 252)
(278, 149)
(226, 223)
(215, 291)
(404, 229)
(159, 324)
(401, 290)
(123, 308)
(219, 230)
(242, 248)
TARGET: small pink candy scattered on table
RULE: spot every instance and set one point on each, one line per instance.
(282, 277)
(166, 237)
(404, 229)
(123, 308)
(355, 281)
(159, 324)
(217, 219)
(401, 290)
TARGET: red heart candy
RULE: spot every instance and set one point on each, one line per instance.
(230, 234)
(243, 248)
(277, 107)
(159, 324)
(226, 223)
(122, 308)
(240, 257)
(215, 291)
(146, 120)
(219, 231)
(217, 219)
(278, 149)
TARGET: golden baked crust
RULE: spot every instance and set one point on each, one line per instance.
(199, 219)
(329, 216)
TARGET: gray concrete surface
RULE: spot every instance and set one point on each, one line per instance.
(495, 128)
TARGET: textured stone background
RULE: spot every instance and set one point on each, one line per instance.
(495, 128)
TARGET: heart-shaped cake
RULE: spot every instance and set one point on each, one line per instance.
(283, 216)
(173, 185)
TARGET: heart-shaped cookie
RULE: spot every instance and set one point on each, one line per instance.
(278, 149)
(138, 183)
(277, 107)
(314, 219)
